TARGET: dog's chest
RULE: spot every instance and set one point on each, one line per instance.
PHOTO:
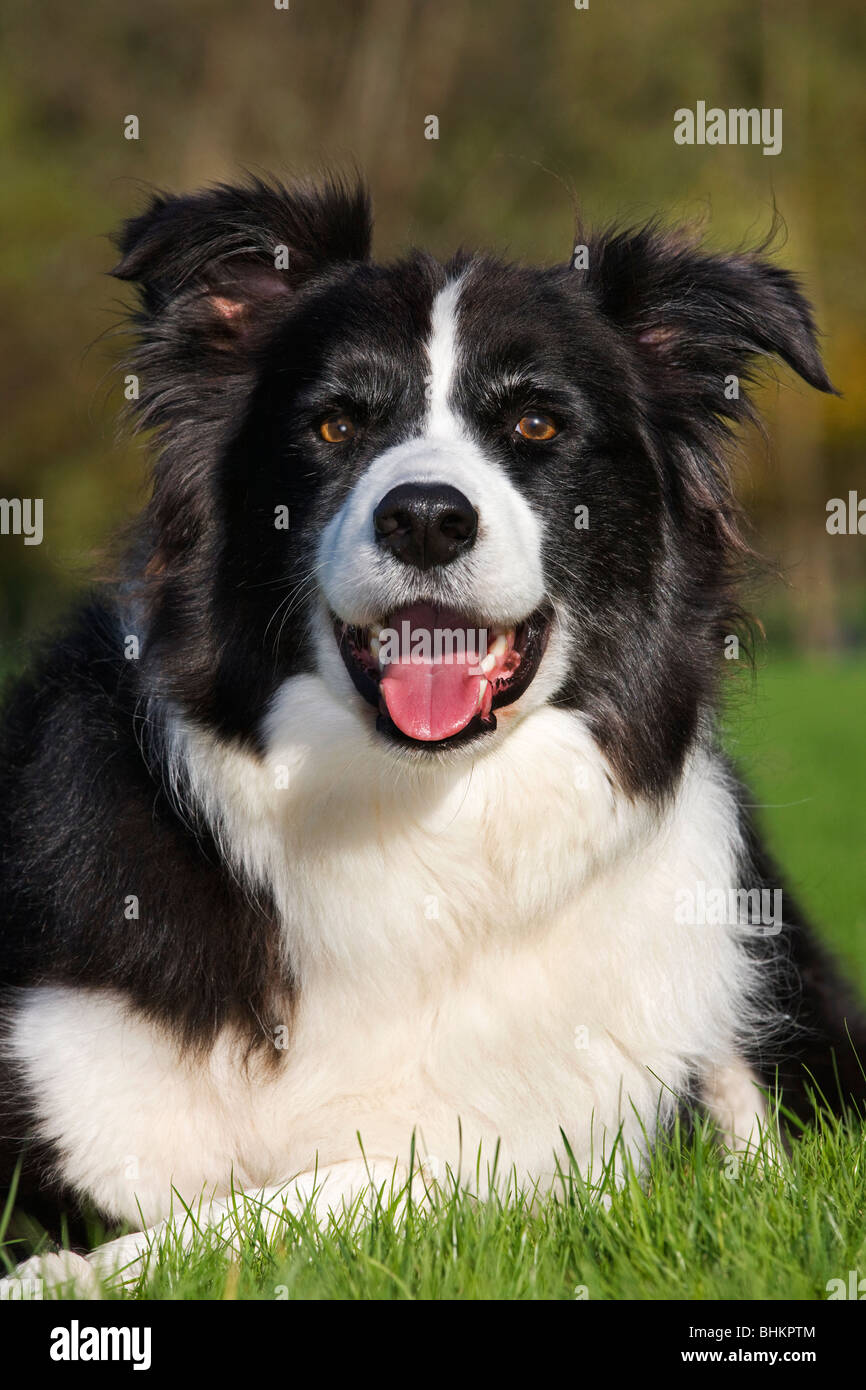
(500, 950)
(517, 1020)
(497, 963)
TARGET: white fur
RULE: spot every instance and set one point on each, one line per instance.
(450, 929)
(443, 352)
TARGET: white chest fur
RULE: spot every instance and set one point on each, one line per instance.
(494, 951)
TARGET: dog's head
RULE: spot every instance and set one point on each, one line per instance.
(450, 493)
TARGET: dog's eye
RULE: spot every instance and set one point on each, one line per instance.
(337, 429)
(538, 428)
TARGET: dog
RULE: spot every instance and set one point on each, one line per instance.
(380, 796)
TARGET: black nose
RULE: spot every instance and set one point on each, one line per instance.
(425, 524)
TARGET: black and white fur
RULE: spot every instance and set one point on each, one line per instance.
(338, 933)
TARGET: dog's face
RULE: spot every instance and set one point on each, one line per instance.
(453, 493)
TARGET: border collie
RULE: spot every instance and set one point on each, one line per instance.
(382, 797)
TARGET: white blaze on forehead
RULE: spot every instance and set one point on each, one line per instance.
(443, 354)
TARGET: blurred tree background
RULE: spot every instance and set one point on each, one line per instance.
(534, 100)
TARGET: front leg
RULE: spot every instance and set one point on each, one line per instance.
(354, 1188)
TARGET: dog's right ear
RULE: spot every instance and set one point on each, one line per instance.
(217, 268)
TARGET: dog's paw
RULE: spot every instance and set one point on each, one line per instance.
(59, 1275)
(123, 1261)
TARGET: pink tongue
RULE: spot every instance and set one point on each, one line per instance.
(431, 699)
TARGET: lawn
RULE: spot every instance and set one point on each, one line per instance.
(798, 734)
(700, 1227)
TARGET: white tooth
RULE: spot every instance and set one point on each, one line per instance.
(488, 663)
(374, 647)
(499, 648)
(482, 686)
(375, 629)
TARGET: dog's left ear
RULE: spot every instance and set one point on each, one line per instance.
(696, 318)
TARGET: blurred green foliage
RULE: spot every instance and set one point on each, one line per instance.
(538, 104)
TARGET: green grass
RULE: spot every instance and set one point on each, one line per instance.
(688, 1232)
(696, 1227)
(798, 735)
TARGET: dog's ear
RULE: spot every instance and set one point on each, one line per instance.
(697, 319)
(700, 326)
(218, 267)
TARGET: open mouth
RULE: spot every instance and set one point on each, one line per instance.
(435, 678)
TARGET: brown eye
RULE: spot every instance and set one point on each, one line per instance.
(538, 428)
(337, 429)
